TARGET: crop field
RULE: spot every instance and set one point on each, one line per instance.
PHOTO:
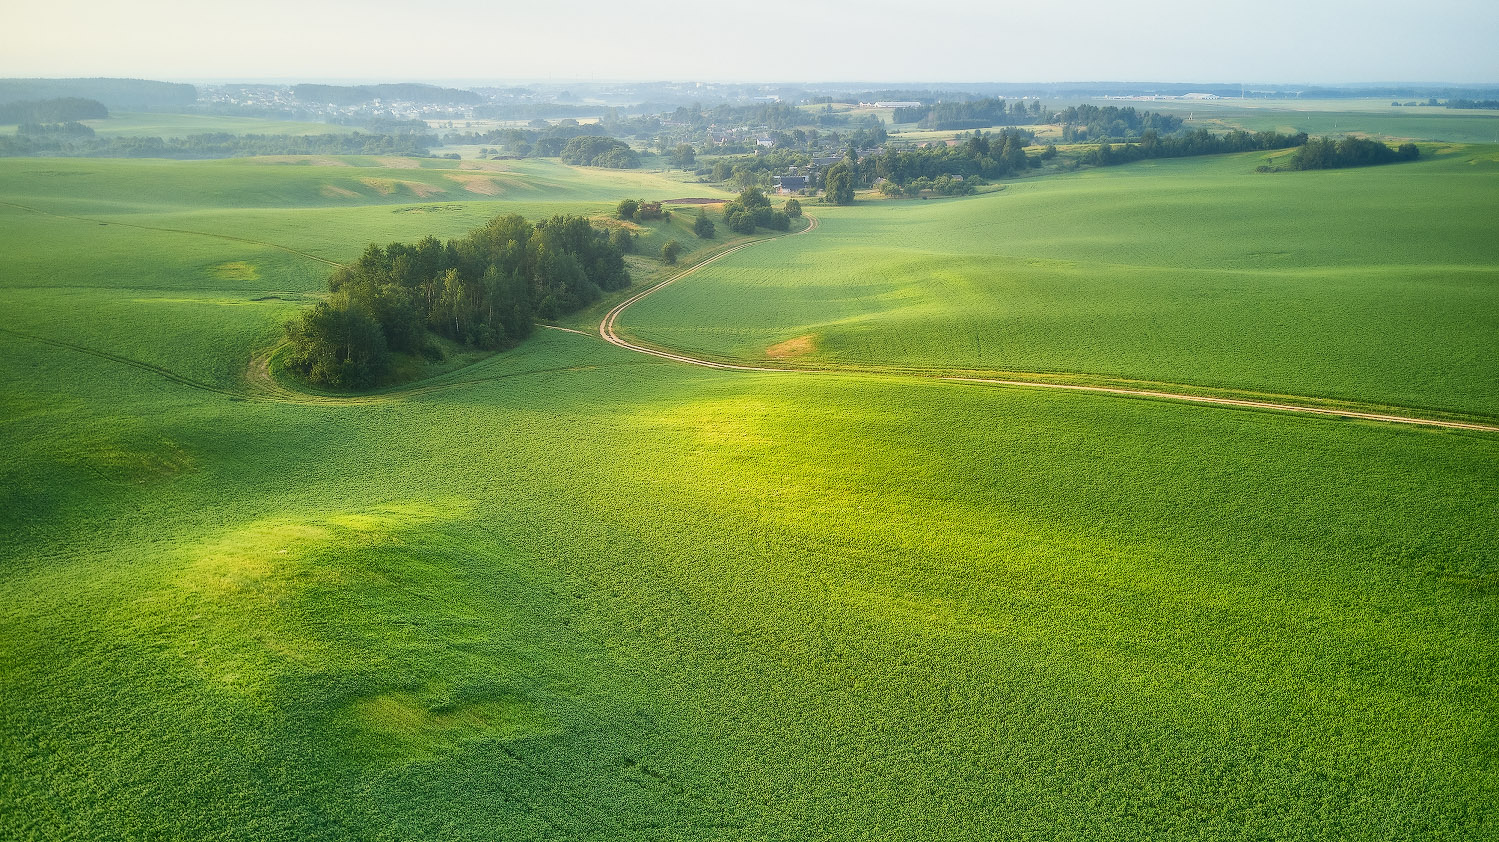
(1378, 285)
(1372, 118)
(575, 592)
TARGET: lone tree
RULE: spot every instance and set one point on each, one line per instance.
(839, 184)
(793, 208)
(670, 251)
(703, 226)
(626, 209)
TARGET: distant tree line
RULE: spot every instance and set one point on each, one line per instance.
(542, 140)
(399, 92)
(119, 94)
(60, 110)
(1473, 103)
(981, 155)
(1324, 153)
(1098, 123)
(977, 114)
(481, 290)
(62, 130)
(39, 139)
(1188, 144)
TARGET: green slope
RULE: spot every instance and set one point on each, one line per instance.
(1378, 285)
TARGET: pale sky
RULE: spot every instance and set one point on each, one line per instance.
(1284, 41)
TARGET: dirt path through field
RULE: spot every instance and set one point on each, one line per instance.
(608, 330)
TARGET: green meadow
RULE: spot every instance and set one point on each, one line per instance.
(575, 592)
(1378, 285)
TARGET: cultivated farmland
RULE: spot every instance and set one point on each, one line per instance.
(573, 591)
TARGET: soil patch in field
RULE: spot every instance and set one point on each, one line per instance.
(693, 201)
(398, 163)
(388, 187)
(333, 191)
(792, 347)
(483, 166)
(299, 160)
(481, 185)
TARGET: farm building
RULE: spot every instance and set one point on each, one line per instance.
(790, 183)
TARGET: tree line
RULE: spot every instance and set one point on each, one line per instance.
(1189, 144)
(64, 140)
(482, 290)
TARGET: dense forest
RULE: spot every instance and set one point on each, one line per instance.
(481, 290)
(60, 110)
(119, 94)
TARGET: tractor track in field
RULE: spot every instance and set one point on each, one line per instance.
(278, 246)
(608, 331)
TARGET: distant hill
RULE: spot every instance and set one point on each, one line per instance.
(401, 92)
(118, 94)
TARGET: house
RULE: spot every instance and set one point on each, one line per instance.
(767, 142)
(790, 183)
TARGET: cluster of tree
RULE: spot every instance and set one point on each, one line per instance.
(215, 145)
(399, 92)
(60, 110)
(1473, 103)
(1188, 144)
(640, 210)
(977, 114)
(751, 210)
(1324, 153)
(598, 151)
(1108, 122)
(483, 290)
(980, 155)
(943, 185)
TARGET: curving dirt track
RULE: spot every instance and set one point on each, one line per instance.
(608, 330)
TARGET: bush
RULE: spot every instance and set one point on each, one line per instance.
(703, 226)
(670, 251)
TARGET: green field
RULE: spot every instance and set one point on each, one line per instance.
(1373, 118)
(577, 592)
(1377, 285)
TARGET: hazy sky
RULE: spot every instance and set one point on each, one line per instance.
(1326, 41)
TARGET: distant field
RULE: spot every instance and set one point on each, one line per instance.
(1379, 284)
(133, 124)
(574, 592)
(1374, 118)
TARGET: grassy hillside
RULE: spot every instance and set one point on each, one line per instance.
(196, 265)
(1378, 284)
(573, 592)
